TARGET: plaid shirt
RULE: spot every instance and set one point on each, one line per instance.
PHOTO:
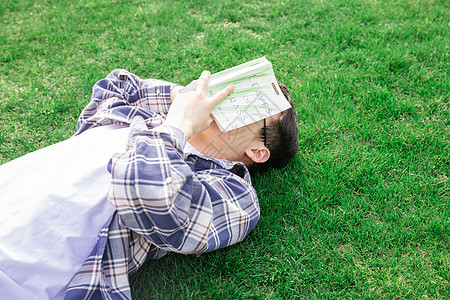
(166, 200)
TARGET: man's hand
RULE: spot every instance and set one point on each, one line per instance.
(191, 111)
(183, 89)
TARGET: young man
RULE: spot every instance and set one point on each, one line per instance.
(164, 194)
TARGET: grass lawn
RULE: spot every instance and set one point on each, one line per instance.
(362, 212)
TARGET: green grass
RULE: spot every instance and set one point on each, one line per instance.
(362, 212)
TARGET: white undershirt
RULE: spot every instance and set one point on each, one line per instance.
(52, 207)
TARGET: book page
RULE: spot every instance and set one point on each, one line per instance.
(256, 95)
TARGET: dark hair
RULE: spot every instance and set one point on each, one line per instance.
(281, 137)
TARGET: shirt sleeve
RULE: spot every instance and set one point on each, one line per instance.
(160, 195)
(121, 96)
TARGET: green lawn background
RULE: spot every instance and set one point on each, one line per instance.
(362, 212)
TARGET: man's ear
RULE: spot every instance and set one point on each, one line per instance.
(258, 155)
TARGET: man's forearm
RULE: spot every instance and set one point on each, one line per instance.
(158, 194)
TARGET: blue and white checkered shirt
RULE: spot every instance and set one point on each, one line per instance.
(166, 200)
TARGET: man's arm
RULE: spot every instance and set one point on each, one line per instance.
(181, 204)
(122, 95)
(174, 202)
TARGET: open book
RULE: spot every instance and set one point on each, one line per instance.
(256, 94)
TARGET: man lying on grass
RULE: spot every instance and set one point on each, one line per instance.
(148, 172)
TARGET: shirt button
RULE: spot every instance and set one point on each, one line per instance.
(157, 91)
(168, 179)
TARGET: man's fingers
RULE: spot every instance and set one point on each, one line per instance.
(190, 87)
(217, 98)
(203, 81)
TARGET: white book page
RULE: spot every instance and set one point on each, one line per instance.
(256, 95)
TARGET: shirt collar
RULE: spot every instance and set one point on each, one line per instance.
(236, 167)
